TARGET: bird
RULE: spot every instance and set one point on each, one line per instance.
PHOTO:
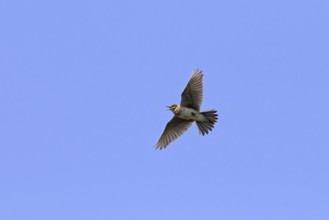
(187, 112)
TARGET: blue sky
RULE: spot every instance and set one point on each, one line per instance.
(83, 90)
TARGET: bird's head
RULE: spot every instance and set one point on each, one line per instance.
(172, 107)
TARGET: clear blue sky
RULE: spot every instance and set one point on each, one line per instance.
(83, 90)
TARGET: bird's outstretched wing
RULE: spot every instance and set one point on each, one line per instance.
(174, 128)
(193, 92)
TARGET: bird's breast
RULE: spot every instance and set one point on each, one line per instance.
(187, 113)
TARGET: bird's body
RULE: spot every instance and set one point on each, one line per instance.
(187, 112)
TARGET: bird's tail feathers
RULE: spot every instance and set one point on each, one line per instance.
(206, 126)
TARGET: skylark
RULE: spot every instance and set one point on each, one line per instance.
(187, 112)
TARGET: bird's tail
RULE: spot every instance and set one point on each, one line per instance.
(207, 125)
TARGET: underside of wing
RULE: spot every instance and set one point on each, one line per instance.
(193, 92)
(174, 128)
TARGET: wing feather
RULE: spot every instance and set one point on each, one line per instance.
(193, 92)
(174, 128)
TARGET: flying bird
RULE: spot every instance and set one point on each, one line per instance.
(187, 112)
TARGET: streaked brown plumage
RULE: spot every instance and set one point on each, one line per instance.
(187, 112)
